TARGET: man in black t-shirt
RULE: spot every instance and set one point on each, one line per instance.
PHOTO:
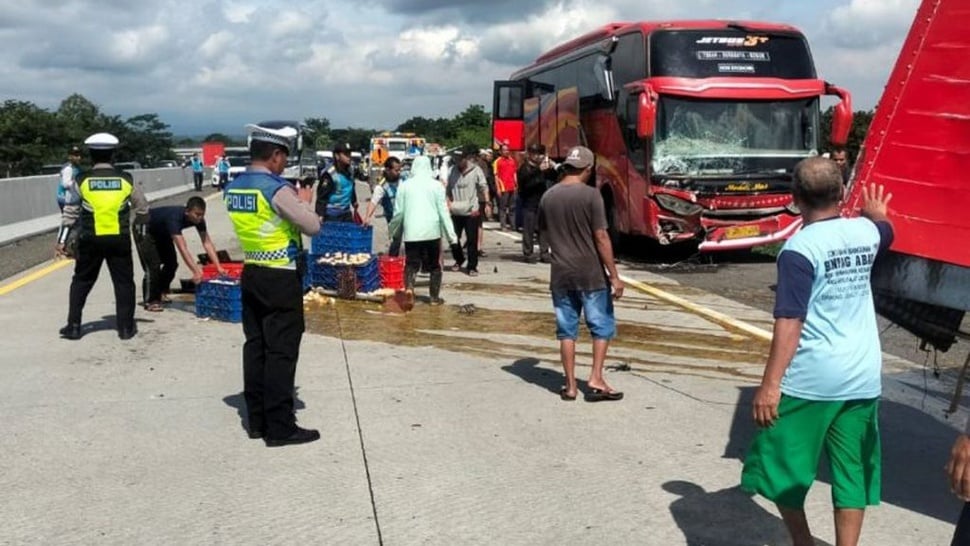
(534, 175)
(156, 248)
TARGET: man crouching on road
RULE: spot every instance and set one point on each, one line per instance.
(572, 219)
(822, 382)
(156, 248)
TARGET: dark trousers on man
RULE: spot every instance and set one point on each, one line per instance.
(272, 317)
(223, 180)
(395, 248)
(91, 253)
(423, 256)
(160, 263)
(468, 225)
(961, 535)
(197, 178)
(531, 235)
(506, 210)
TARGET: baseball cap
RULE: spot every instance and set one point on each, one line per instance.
(537, 149)
(579, 157)
(342, 148)
(74, 150)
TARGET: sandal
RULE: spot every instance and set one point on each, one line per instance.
(599, 395)
(154, 307)
(456, 268)
(565, 396)
(472, 272)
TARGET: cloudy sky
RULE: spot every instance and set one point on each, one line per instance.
(213, 65)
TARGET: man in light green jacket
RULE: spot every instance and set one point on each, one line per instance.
(421, 217)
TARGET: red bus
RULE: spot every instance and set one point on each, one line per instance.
(696, 125)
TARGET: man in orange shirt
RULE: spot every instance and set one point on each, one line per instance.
(505, 185)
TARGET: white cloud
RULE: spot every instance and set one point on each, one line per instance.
(217, 64)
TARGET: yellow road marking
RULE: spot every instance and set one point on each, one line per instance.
(26, 279)
(710, 314)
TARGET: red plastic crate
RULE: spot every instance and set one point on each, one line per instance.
(392, 272)
(233, 270)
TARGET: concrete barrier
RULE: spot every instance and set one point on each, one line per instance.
(28, 205)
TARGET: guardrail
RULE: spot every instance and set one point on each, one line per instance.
(28, 205)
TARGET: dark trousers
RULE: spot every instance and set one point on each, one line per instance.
(197, 178)
(506, 210)
(961, 535)
(530, 233)
(160, 263)
(223, 180)
(346, 216)
(91, 253)
(468, 225)
(423, 256)
(272, 305)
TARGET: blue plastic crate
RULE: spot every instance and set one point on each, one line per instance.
(346, 237)
(219, 299)
(327, 276)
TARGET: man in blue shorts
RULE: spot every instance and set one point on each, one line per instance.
(821, 385)
(572, 219)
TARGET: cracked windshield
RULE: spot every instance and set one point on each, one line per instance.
(717, 138)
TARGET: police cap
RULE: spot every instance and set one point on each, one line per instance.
(281, 135)
(101, 141)
(342, 148)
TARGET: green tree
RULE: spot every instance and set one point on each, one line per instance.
(318, 133)
(80, 117)
(860, 126)
(149, 139)
(29, 138)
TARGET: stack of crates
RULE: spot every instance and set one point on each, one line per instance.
(392, 272)
(233, 270)
(342, 238)
(219, 299)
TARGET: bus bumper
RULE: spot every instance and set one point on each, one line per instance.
(749, 235)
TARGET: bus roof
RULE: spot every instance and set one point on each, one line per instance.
(646, 27)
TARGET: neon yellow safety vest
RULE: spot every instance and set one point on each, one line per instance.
(105, 202)
(266, 239)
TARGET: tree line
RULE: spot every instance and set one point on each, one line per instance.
(31, 137)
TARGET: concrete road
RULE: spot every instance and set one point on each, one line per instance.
(440, 427)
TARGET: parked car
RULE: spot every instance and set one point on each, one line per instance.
(127, 165)
(51, 169)
(167, 164)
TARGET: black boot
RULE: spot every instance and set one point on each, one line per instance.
(410, 276)
(71, 331)
(436, 288)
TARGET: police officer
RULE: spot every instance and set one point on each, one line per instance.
(337, 191)
(99, 211)
(268, 215)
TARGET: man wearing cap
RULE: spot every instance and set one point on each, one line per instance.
(198, 169)
(99, 211)
(584, 279)
(337, 190)
(466, 186)
(269, 215)
(69, 174)
(534, 176)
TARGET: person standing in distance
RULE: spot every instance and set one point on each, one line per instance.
(269, 215)
(99, 210)
(385, 194)
(198, 169)
(337, 189)
(69, 173)
(572, 218)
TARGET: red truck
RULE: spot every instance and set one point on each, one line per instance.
(918, 147)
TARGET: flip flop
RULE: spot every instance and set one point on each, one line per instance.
(154, 307)
(599, 395)
(565, 396)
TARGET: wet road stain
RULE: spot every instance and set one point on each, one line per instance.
(525, 334)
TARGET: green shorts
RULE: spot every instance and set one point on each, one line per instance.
(783, 459)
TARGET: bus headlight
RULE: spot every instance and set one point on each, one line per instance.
(678, 206)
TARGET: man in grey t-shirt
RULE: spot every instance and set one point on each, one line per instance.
(572, 219)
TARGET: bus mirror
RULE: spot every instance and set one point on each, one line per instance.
(841, 115)
(646, 115)
(604, 77)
